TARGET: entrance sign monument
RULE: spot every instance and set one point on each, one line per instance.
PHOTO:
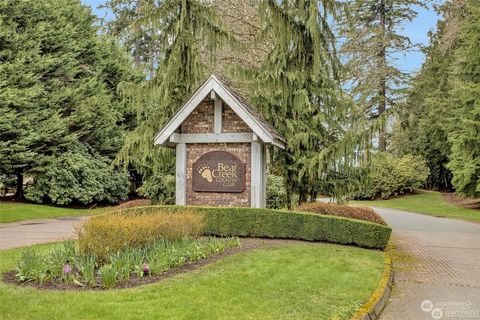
(220, 144)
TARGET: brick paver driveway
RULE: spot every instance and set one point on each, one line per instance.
(437, 264)
(24, 233)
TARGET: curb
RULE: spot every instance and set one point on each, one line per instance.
(372, 309)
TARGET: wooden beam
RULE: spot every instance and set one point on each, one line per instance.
(211, 138)
(218, 116)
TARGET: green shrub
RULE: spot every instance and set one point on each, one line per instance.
(389, 176)
(78, 176)
(283, 224)
(107, 234)
(159, 188)
(276, 193)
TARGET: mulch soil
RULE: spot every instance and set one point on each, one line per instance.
(469, 203)
(246, 244)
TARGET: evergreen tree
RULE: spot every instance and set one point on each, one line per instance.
(141, 40)
(441, 118)
(297, 90)
(464, 131)
(181, 23)
(371, 33)
(58, 82)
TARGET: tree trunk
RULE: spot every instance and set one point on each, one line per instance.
(289, 199)
(19, 190)
(382, 139)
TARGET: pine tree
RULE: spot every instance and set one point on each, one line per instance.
(371, 33)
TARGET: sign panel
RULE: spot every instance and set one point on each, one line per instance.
(218, 171)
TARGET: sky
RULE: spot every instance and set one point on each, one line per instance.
(417, 30)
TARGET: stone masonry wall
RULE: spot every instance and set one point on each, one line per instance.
(201, 120)
(195, 151)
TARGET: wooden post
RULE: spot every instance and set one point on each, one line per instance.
(257, 176)
(181, 168)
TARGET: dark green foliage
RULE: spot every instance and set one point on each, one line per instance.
(78, 177)
(276, 193)
(160, 188)
(181, 23)
(389, 176)
(464, 133)
(269, 223)
(297, 90)
(441, 121)
(58, 81)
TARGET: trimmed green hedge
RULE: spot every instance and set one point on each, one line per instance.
(269, 223)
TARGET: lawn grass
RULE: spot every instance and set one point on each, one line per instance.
(296, 281)
(427, 202)
(11, 211)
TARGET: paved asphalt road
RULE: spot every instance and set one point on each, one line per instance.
(437, 267)
(24, 233)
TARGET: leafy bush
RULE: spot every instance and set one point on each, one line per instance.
(159, 188)
(359, 213)
(102, 235)
(77, 176)
(276, 193)
(283, 224)
(389, 176)
(160, 255)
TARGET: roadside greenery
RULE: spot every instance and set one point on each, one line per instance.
(283, 224)
(440, 120)
(268, 283)
(64, 263)
(389, 176)
(13, 211)
(430, 203)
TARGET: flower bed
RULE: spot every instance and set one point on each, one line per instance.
(65, 267)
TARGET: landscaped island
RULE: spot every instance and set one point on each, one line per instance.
(165, 246)
(127, 245)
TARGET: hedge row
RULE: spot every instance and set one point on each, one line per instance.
(283, 224)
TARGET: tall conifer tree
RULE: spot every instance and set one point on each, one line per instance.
(371, 42)
(297, 90)
(180, 24)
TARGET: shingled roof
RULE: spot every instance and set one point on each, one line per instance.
(235, 101)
